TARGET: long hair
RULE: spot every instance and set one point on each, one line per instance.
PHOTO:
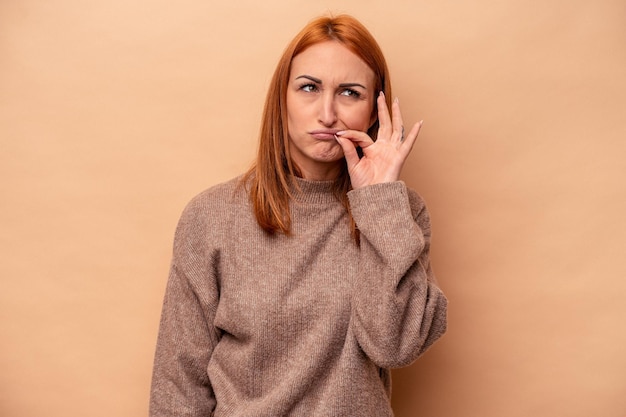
(269, 178)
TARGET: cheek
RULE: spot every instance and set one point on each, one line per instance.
(358, 118)
(296, 111)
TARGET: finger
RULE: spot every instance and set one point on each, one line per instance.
(384, 119)
(411, 137)
(396, 121)
(357, 137)
(349, 151)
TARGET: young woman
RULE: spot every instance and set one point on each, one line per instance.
(296, 287)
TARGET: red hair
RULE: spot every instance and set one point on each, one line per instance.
(269, 178)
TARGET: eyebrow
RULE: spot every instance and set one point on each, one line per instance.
(342, 85)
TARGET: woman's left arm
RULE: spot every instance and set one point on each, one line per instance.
(398, 309)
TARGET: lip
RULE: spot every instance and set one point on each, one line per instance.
(324, 134)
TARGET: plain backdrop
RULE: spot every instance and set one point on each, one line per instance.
(114, 113)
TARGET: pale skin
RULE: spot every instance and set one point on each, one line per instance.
(330, 102)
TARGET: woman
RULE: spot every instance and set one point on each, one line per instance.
(295, 288)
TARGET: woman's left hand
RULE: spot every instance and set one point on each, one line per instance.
(383, 159)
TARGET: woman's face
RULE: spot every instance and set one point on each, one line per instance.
(330, 89)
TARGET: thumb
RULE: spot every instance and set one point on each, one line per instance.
(349, 151)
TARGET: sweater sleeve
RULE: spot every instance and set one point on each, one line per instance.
(398, 309)
(187, 337)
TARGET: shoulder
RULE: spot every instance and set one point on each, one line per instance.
(216, 199)
(229, 192)
(212, 211)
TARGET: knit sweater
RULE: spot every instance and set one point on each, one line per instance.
(306, 324)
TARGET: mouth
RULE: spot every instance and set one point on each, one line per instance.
(324, 134)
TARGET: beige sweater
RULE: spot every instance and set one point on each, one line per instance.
(303, 325)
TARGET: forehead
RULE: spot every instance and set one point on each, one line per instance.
(331, 60)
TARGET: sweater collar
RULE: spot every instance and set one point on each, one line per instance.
(313, 192)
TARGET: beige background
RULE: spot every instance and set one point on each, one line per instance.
(114, 113)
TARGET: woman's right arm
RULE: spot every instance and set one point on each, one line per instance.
(180, 385)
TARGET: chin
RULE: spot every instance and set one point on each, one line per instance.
(331, 156)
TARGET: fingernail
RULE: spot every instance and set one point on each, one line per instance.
(382, 93)
(396, 100)
(340, 133)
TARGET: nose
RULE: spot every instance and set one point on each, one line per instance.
(327, 110)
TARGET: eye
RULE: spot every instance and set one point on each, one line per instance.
(308, 88)
(349, 92)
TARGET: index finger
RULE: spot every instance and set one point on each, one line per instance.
(385, 126)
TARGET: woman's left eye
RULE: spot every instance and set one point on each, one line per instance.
(348, 92)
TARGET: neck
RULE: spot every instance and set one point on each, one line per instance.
(328, 172)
